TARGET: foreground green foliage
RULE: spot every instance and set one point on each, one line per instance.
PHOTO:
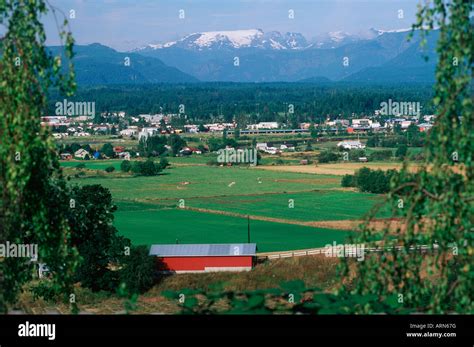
(34, 199)
(95, 237)
(138, 269)
(290, 297)
(436, 204)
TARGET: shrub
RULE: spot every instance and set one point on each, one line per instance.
(126, 166)
(371, 181)
(164, 163)
(138, 270)
(381, 155)
(279, 162)
(109, 169)
(146, 168)
(401, 151)
(355, 154)
(348, 181)
(327, 157)
(108, 150)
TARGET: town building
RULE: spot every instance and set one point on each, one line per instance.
(351, 144)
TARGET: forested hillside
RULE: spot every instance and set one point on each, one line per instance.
(264, 102)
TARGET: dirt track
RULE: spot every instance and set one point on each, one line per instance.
(331, 169)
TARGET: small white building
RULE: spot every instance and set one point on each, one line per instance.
(81, 154)
(124, 155)
(351, 144)
(405, 124)
(361, 123)
(147, 132)
(129, 132)
(263, 125)
(375, 125)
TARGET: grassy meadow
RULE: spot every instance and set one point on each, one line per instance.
(146, 224)
(218, 199)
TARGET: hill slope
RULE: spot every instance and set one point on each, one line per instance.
(97, 64)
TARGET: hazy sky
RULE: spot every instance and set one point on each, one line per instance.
(127, 24)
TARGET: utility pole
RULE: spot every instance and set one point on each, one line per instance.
(248, 229)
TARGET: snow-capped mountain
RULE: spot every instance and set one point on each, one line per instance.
(272, 40)
(236, 39)
(373, 32)
(276, 56)
(334, 39)
(277, 40)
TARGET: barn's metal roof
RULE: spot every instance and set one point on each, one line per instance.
(192, 250)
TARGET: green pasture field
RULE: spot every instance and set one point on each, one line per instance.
(93, 164)
(146, 224)
(181, 182)
(148, 212)
(308, 206)
(193, 159)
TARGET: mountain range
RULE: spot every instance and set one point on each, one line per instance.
(252, 55)
(97, 64)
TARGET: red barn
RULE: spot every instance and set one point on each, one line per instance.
(204, 257)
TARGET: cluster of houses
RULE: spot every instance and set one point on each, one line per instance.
(145, 125)
(79, 126)
(264, 147)
(83, 154)
(360, 125)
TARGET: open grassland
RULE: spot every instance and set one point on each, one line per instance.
(181, 182)
(146, 224)
(308, 206)
(218, 199)
(92, 164)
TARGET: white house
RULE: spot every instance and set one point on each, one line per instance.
(375, 125)
(361, 123)
(263, 125)
(147, 132)
(406, 123)
(81, 154)
(129, 132)
(191, 128)
(124, 155)
(152, 118)
(351, 144)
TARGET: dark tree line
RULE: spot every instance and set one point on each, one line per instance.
(371, 181)
(263, 102)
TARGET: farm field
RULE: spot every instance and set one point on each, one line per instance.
(218, 199)
(181, 182)
(93, 164)
(308, 206)
(338, 169)
(146, 225)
